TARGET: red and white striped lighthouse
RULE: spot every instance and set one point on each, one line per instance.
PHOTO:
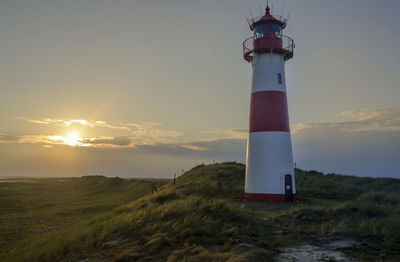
(269, 163)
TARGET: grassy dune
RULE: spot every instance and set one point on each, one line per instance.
(201, 218)
(32, 207)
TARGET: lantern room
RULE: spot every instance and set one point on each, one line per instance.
(268, 37)
(267, 29)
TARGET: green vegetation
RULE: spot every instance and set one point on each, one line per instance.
(202, 218)
(365, 209)
(31, 207)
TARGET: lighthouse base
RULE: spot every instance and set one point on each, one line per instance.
(267, 197)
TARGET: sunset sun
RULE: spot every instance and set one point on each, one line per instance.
(72, 139)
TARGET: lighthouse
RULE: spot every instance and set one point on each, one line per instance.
(269, 157)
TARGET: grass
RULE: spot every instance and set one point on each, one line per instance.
(202, 218)
(32, 207)
(366, 209)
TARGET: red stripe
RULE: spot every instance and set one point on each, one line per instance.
(266, 197)
(268, 42)
(268, 112)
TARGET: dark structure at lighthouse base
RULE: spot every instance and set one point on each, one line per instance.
(269, 197)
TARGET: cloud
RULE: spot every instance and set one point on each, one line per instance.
(57, 122)
(33, 139)
(121, 141)
(193, 147)
(221, 145)
(363, 142)
(116, 141)
(138, 131)
(151, 130)
(218, 150)
(111, 126)
(230, 145)
(82, 122)
(27, 139)
(171, 147)
(69, 122)
(147, 135)
(134, 133)
(6, 138)
(36, 121)
(228, 133)
(381, 119)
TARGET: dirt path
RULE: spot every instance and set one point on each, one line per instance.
(317, 253)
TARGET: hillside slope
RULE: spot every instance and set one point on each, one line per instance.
(202, 218)
(31, 207)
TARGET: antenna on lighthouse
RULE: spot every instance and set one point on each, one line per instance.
(251, 16)
(267, 8)
(287, 19)
(283, 9)
(247, 19)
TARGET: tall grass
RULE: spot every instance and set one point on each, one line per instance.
(364, 208)
(193, 219)
(202, 218)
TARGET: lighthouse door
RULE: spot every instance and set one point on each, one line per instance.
(288, 188)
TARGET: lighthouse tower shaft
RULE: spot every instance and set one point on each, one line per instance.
(269, 159)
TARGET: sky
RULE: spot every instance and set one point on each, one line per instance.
(136, 88)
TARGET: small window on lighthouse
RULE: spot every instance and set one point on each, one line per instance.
(280, 78)
(259, 31)
(283, 119)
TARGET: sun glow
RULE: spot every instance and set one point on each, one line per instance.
(72, 139)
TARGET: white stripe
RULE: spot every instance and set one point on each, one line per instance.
(269, 159)
(266, 67)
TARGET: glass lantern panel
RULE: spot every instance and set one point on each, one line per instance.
(268, 29)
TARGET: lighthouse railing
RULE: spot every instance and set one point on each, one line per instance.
(287, 46)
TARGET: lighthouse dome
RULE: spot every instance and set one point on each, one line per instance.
(268, 19)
